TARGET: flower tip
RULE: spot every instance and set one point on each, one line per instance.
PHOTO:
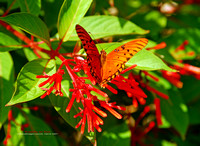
(122, 108)
(99, 129)
(43, 96)
(151, 124)
(111, 89)
(179, 84)
(67, 110)
(119, 116)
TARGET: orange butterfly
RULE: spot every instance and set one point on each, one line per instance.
(104, 67)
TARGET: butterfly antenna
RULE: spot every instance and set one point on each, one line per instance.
(96, 42)
(113, 43)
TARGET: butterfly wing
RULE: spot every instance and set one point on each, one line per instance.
(93, 56)
(115, 60)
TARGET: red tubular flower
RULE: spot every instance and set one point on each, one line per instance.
(145, 111)
(131, 87)
(82, 93)
(173, 77)
(24, 126)
(8, 136)
(89, 113)
(56, 78)
(92, 119)
(158, 111)
(137, 133)
(151, 76)
(80, 88)
(109, 107)
(182, 46)
(157, 92)
(158, 46)
(145, 85)
(188, 69)
(191, 69)
(81, 64)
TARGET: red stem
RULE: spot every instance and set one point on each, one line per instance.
(8, 10)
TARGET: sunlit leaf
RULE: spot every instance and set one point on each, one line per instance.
(27, 84)
(70, 14)
(29, 23)
(103, 26)
(6, 84)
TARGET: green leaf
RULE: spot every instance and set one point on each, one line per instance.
(6, 84)
(30, 6)
(30, 55)
(194, 112)
(44, 135)
(51, 11)
(144, 59)
(175, 111)
(192, 35)
(70, 14)
(27, 84)
(152, 20)
(10, 2)
(29, 23)
(103, 26)
(117, 135)
(190, 91)
(7, 43)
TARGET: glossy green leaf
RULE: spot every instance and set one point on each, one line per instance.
(43, 136)
(29, 23)
(6, 84)
(27, 84)
(144, 59)
(30, 6)
(103, 26)
(175, 111)
(117, 135)
(71, 12)
(30, 55)
(7, 43)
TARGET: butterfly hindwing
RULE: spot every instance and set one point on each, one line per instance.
(115, 60)
(93, 56)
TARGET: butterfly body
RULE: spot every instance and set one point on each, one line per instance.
(105, 67)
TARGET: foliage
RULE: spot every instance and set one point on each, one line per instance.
(48, 94)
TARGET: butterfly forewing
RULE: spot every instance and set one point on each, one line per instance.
(115, 60)
(93, 56)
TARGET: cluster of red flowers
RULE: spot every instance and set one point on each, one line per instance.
(182, 69)
(82, 93)
(138, 133)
